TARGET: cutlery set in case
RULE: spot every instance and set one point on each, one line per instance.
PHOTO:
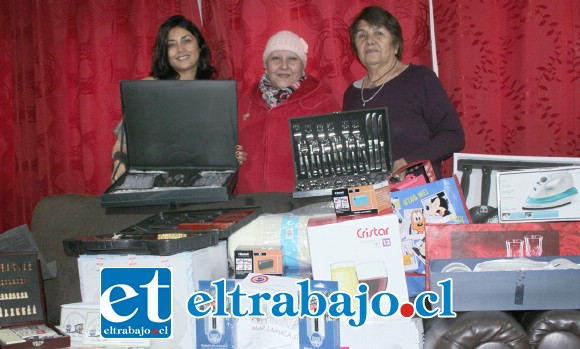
(340, 150)
(181, 138)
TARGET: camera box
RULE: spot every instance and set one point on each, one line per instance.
(181, 137)
(338, 150)
(322, 331)
(547, 194)
(358, 249)
(216, 332)
(267, 332)
(258, 259)
(477, 174)
(374, 198)
(22, 310)
(509, 284)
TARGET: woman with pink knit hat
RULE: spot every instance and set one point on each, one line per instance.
(284, 91)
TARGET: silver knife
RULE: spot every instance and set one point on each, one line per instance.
(382, 143)
(369, 129)
(376, 141)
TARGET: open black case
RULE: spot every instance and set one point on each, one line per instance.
(166, 233)
(181, 138)
(339, 150)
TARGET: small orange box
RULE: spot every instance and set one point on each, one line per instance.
(374, 198)
(258, 259)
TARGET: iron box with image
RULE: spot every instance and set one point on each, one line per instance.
(181, 138)
(340, 150)
(545, 194)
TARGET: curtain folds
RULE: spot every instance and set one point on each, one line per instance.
(512, 69)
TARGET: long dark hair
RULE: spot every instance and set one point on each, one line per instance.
(378, 16)
(160, 67)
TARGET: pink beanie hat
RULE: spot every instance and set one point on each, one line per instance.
(286, 40)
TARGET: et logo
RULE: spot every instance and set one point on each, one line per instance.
(136, 302)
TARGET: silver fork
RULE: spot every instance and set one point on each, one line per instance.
(297, 135)
(336, 145)
(311, 144)
(304, 151)
(321, 141)
(346, 134)
(363, 163)
(327, 158)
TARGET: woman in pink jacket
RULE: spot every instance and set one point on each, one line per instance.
(284, 91)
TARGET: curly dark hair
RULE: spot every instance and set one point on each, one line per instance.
(378, 16)
(160, 67)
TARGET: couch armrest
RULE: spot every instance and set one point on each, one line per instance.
(552, 329)
(475, 329)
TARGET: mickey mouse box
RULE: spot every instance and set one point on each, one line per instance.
(439, 202)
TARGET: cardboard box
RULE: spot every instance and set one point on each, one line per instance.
(81, 321)
(23, 311)
(384, 334)
(188, 268)
(508, 290)
(216, 332)
(357, 249)
(342, 149)
(267, 332)
(437, 202)
(258, 259)
(374, 198)
(496, 240)
(181, 137)
(539, 195)
(469, 169)
(323, 331)
(489, 240)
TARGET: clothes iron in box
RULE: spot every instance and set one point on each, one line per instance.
(338, 150)
(478, 174)
(548, 194)
(181, 138)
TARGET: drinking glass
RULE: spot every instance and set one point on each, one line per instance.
(533, 245)
(375, 275)
(514, 247)
(345, 274)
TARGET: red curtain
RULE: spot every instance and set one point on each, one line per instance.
(511, 68)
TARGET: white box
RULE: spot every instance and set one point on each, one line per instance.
(73, 318)
(384, 334)
(539, 195)
(81, 321)
(359, 248)
(267, 332)
(499, 163)
(188, 268)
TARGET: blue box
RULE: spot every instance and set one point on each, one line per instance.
(216, 332)
(322, 332)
